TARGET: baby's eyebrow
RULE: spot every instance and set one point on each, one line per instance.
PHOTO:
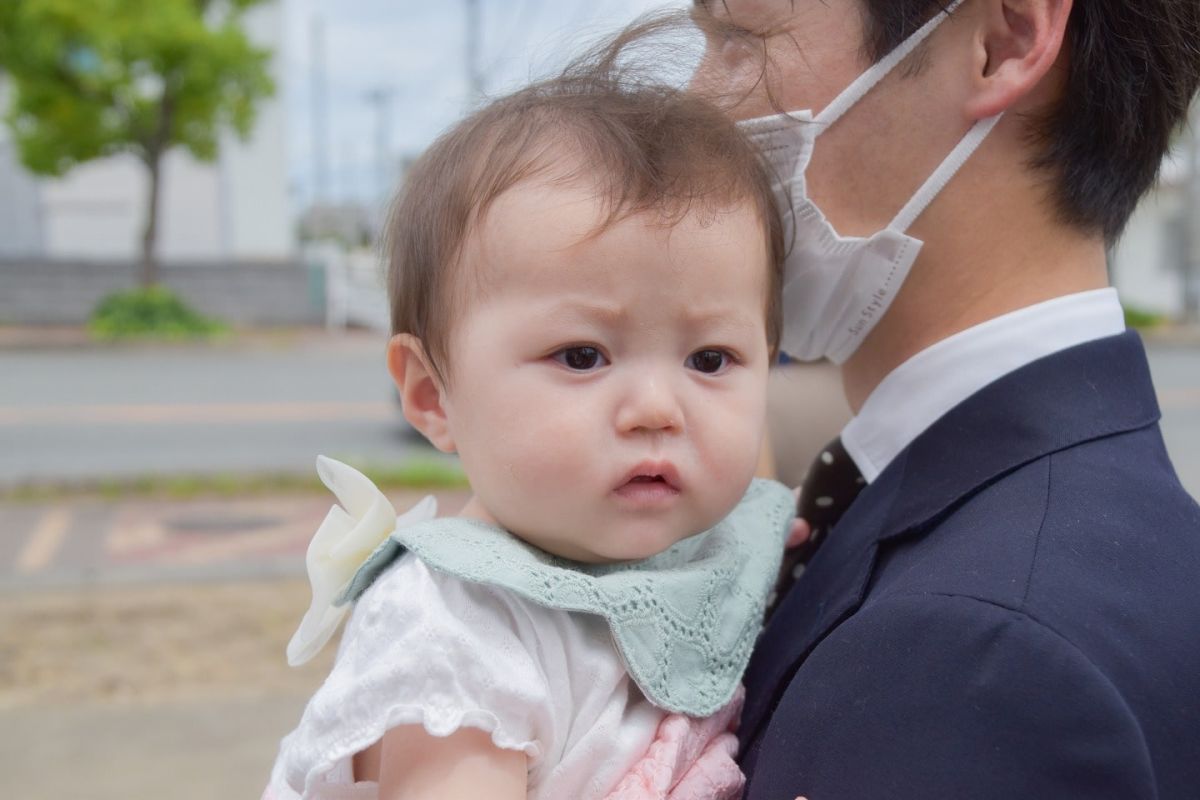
(721, 319)
(614, 315)
(601, 313)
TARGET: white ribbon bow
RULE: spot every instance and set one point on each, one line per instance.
(346, 538)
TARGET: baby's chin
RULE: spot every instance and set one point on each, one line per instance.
(612, 535)
(611, 542)
(637, 545)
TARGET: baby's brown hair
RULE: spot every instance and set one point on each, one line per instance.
(647, 147)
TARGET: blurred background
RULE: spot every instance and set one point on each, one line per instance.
(191, 193)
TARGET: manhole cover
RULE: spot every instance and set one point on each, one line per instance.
(220, 523)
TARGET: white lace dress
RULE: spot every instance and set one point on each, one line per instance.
(460, 624)
(540, 680)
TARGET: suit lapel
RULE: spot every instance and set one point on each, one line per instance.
(831, 588)
(1088, 392)
(1097, 389)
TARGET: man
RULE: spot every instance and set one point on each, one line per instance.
(1010, 607)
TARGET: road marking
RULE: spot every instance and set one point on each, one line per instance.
(198, 412)
(201, 553)
(45, 541)
(130, 531)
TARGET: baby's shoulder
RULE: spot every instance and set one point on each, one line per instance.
(415, 603)
(414, 588)
(425, 648)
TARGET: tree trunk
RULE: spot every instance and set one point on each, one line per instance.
(150, 235)
(153, 155)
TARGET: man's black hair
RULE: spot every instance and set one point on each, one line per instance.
(1134, 69)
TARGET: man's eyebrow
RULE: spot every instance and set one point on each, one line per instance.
(705, 7)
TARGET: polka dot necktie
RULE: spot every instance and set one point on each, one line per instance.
(832, 483)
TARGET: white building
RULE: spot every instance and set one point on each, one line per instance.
(234, 209)
(1147, 263)
(1160, 250)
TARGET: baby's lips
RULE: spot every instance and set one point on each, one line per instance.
(653, 468)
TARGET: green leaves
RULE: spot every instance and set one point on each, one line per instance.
(150, 313)
(96, 77)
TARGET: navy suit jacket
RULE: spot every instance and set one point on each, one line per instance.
(1011, 610)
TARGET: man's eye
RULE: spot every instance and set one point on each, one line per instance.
(580, 359)
(709, 362)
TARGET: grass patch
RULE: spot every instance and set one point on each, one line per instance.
(424, 474)
(418, 474)
(1141, 319)
(154, 313)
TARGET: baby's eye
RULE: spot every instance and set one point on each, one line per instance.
(581, 359)
(709, 362)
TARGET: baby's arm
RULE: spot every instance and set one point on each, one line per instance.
(464, 765)
(690, 759)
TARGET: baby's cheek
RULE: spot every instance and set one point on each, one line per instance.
(729, 452)
(541, 486)
(735, 428)
(550, 451)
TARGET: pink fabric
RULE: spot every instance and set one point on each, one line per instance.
(689, 759)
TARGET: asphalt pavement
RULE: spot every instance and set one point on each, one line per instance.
(1176, 370)
(259, 403)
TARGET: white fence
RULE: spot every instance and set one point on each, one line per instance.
(355, 294)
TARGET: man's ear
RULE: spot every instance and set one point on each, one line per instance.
(1017, 44)
(421, 393)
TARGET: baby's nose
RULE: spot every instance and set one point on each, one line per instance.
(649, 405)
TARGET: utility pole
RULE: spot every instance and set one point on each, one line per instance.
(381, 100)
(473, 44)
(320, 113)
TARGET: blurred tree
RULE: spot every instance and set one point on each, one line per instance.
(93, 78)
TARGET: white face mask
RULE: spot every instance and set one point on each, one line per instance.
(836, 288)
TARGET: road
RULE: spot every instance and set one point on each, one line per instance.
(70, 414)
(78, 414)
(1177, 376)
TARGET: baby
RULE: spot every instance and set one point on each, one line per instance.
(585, 282)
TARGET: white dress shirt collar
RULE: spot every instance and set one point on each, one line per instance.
(918, 392)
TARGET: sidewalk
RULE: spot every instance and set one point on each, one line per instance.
(218, 749)
(151, 692)
(142, 643)
(57, 337)
(1179, 334)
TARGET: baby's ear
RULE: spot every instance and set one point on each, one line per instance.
(421, 393)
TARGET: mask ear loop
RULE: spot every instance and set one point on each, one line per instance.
(868, 80)
(942, 175)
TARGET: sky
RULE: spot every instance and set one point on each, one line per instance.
(414, 52)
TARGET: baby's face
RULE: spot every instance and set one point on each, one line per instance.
(607, 391)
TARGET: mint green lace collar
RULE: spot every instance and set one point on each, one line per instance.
(684, 621)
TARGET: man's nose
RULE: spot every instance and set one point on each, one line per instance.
(649, 404)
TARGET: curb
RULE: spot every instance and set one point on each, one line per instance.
(16, 338)
(1172, 335)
